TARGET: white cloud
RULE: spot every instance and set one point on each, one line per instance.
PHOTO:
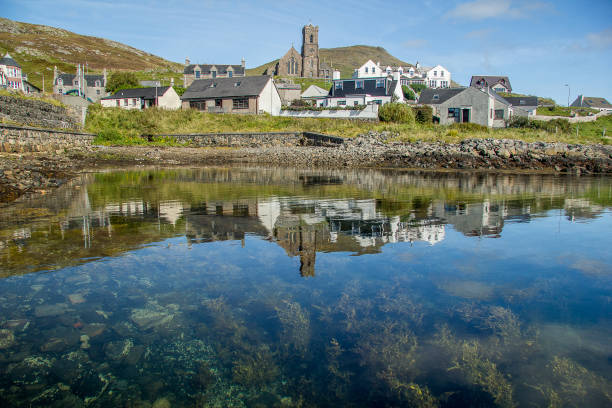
(485, 9)
(602, 39)
(480, 34)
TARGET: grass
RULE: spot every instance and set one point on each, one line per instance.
(541, 101)
(30, 97)
(119, 126)
(564, 111)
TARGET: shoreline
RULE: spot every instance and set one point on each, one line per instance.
(37, 173)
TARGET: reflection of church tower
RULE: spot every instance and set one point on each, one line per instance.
(310, 51)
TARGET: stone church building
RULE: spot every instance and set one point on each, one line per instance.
(306, 64)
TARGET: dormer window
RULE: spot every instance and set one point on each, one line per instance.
(214, 74)
(441, 73)
(213, 85)
(338, 85)
(436, 97)
(197, 73)
(98, 83)
(76, 82)
(366, 70)
(435, 73)
(237, 84)
(60, 81)
(373, 70)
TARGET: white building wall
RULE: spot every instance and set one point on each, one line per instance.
(169, 100)
(269, 99)
(132, 103)
(369, 70)
(438, 77)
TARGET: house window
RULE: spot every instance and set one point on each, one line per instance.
(134, 101)
(358, 84)
(435, 73)
(436, 97)
(125, 102)
(214, 74)
(76, 83)
(339, 85)
(356, 103)
(97, 92)
(366, 70)
(118, 102)
(98, 84)
(380, 83)
(230, 74)
(453, 112)
(241, 103)
(61, 91)
(197, 74)
(441, 73)
(60, 81)
(377, 101)
(341, 103)
(197, 105)
(499, 114)
(443, 84)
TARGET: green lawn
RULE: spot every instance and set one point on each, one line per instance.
(119, 126)
(565, 111)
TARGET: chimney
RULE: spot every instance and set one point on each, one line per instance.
(243, 63)
(187, 62)
(396, 75)
(54, 74)
(418, 65)
(104, 75)
(172, 81)
(336, 74)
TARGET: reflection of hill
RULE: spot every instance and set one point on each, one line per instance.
(304, 211)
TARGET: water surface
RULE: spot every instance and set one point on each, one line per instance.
(260, 287)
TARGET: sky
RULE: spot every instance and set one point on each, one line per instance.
(540, 45)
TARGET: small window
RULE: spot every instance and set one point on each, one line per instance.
(341, 103)
(197, 74)
(236, 85)
(118, 102)
(230, 74)
(499, 114)
(61, 91)
(373, 70)
(60, 81)
(366, 70)
(358, 84)
(378, 101)
(214, 74)
(436, 97)
(241, 103)
(98, 84)
(97, 92)
(435, 73)
(125, 102)
(76, 83)
(311, 38)
(134, 101)
(451, 112)
(521, 102)
(380, 83)
(339, 85)
(356, 103)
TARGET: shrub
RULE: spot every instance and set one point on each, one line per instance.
(423, 114)
(121, 80)
(300, 102)
(408, 93)
(418, 87)
(555, 125)
(395, 112)
(469, 127)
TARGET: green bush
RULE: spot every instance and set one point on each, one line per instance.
(553, 126)
(469, 127)
(396, 113)
(418, 88)
(423, 114)
(408, 93)
(122, 80)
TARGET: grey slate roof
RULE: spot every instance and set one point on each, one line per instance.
(68, 79)
(522, 100)
(482, 81)
(221, 69)
(591, 102)
(9, 61)
(444, 94)
(226, 87)
(144, 93)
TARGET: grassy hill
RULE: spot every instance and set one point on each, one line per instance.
(346, 59)
(38, 48)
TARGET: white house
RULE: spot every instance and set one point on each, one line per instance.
(370, 70)
(593, 102)
(141, 98)
(432, 77)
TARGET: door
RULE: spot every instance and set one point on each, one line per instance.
(465, 115)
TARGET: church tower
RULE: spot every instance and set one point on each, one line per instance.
(310, 51)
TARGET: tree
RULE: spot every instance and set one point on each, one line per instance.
(121, 80)
(395, 112)
(408, 93)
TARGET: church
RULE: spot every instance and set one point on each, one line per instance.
(306, 64)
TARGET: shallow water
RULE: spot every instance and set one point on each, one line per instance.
(257, 287)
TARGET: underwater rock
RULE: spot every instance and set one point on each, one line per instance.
(51, 310)
(17, 324)
(118, 350)
(85, 342)
(32, 370)
(162, 403)
(54, 345)
(153, 315)
(134, 355)
(94, 329)
(7, 338)
(76, 298)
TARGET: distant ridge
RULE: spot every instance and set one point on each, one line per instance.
(38, 48)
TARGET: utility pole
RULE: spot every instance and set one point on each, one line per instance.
(568, 94)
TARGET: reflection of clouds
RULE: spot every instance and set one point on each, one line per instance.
(593, 268)
(564, 339)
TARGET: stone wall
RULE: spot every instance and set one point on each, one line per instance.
(575, 119)
(19, 139)
(33, 112)
(268, 139)
(369, 113)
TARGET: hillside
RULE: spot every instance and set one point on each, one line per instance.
(346, 59)
(38, 48)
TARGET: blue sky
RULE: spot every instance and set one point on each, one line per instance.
(540, 45)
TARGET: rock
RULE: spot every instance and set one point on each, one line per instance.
(162, 403)
(76, 298)
(7, 338)
(94, 329)
(85, 342)
(153, 315)
(51, 310)
(118, 350)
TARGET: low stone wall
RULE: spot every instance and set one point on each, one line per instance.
(369, 113)
(575, 119)
(263, 139)
(19, 139)
(33, 112)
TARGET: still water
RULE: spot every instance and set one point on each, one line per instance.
(260, 287)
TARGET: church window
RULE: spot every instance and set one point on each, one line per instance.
(311, 38)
